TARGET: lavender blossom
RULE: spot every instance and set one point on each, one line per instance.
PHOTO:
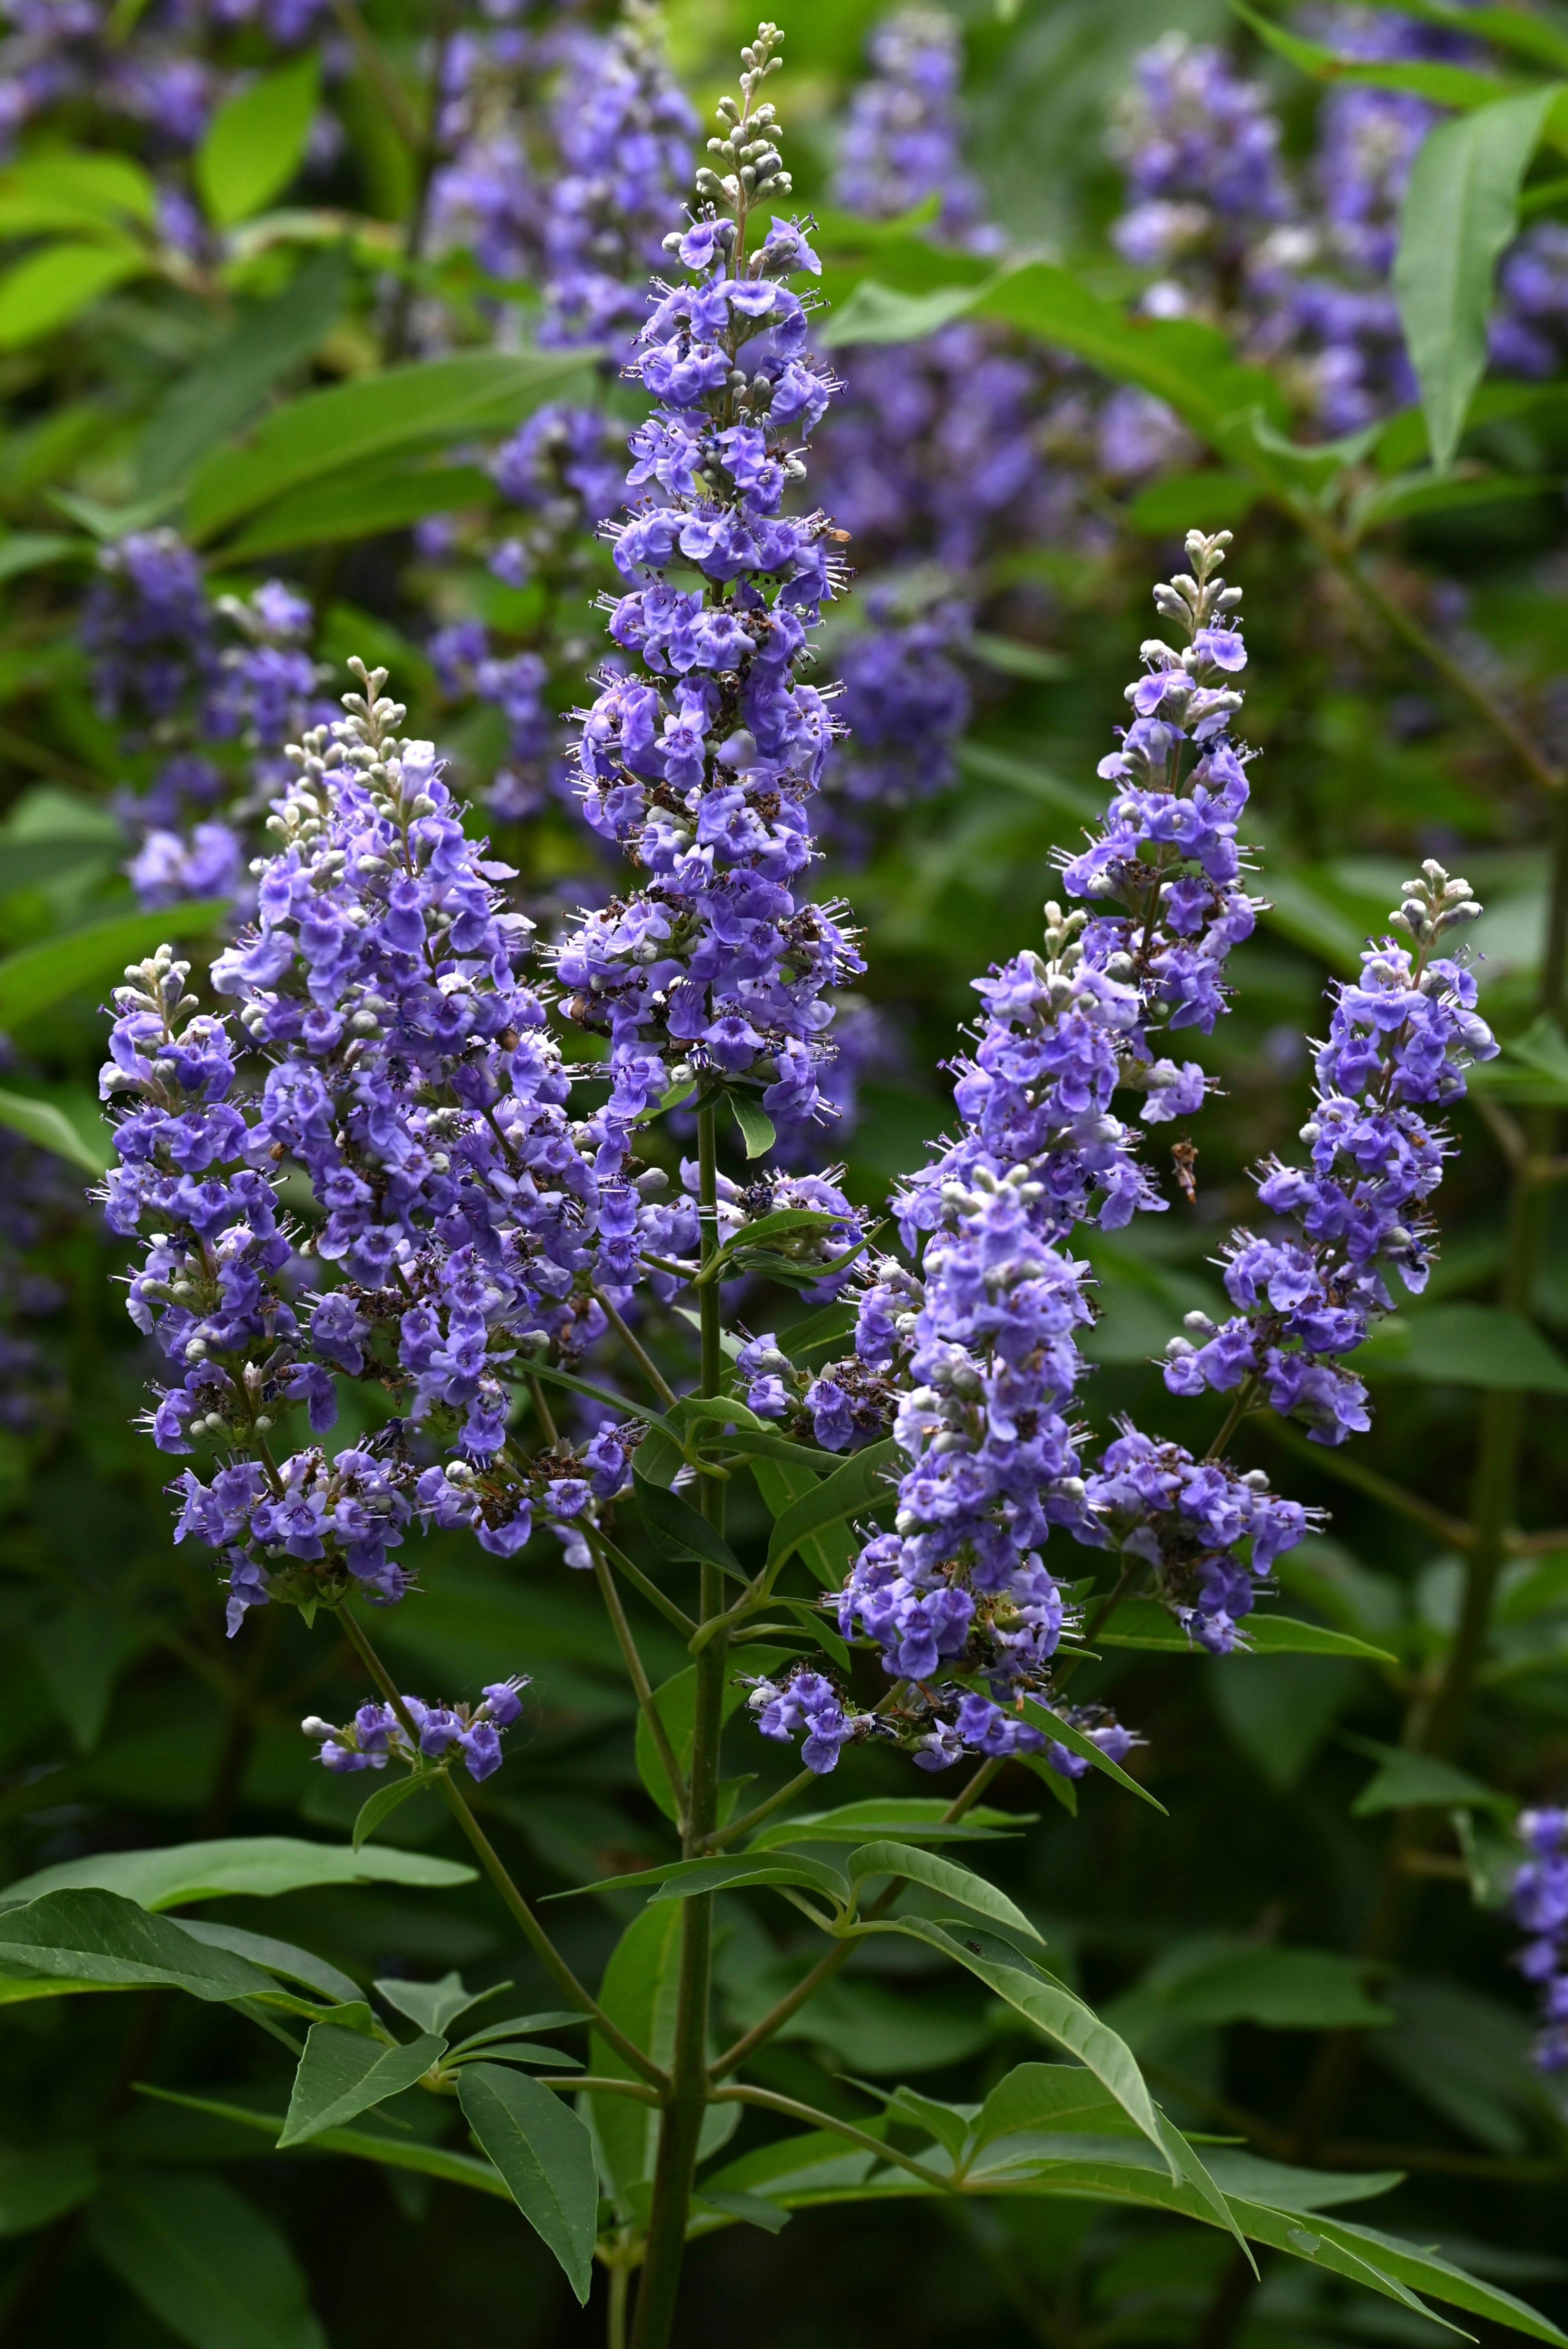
(900, 146)
(1540, 1906)
(701, 761)
(379, 1733)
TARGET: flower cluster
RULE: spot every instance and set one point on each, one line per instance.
(1540, 1906)
(415, 1733)
(899, 145)
(163, 672)
(470, 1221)
(1400, 1039)
(700, 760)
(981, 1343)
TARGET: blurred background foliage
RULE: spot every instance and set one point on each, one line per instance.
(216, 225)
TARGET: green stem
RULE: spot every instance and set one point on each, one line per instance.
(641, 1684)
(794, 2111)
(495, 1867)
(640, 1581)
(681, 2127)
(639, 1352)
(787, 1794)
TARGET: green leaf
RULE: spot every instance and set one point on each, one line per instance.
(103, 185)
(1076, 1742)
(31, 550)
(859, 1484)
(677, 1531)
(943, 1875)
(1050, 2006)
(911, 1818)
(1283, 1990)
(1443, 84)
(384, 1801)
(206, 2263)
(217, 395)
(42, 2182)
(434, 2005)
(1460, 209)
(36, 976)
(783, 1482)
(338, 511)
(397, 2151)
(342, 2075)
(875, 313)
(1424, 2271)
(1145, 1623)
(686, 1879)
(639, 1994)
(1210, 501)
(49, 288)
(1406, 1780)
(676, 1700)
(1046, 2097)
(276, 1957)
(260, 1865)
(557, 2018)
(96, 1938)
(51, 1129)
(517, 2051)
(256, 142)
(617, 1403)
(420, 405)
(818, 1332)
(990, 765)
(756, 1127)
(546, 2155)
(1465, 1345)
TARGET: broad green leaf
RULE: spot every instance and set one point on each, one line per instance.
(397, 2150)
(88, 1936)
(1408, 1781)
(1465, 1345)
(276, 1956)
(342, 2075)
(911, 1818)
(1425, 2270)
(1326, 2243)
(419, 404)
(49, 288)
(384, 1801)
(749, 2210)
(1076, 1742)
(637, 1993)
(547, 2156)
(337, 511)
(949, 2124)
(434, 2005)
(257, 1865)
(1145, 1623)
(756, 1127)
(676, 1700)
(1046, 2097)
(36, 976)
(43, 1122)
(1460, 209)
(255, 141)
(859, 1484)
(31, 550)
(41, 2182)
(677, 1531)
(816, 1333)
(943, 1875)
(875, 312)
(103, 183)
(1049, 2006)
(783, 1482)
(222, 391)
(1285, 2187)
(1213, 501)
(204, 2260)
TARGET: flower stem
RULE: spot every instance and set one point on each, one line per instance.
(639, 1352)
(680, 2128)
(495, 1867)
(641, 1683)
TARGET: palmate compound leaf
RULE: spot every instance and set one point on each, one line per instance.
(204, 2260)
(943, 1875)
(547, 2156)
(259, 1865)
(342, 2075)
